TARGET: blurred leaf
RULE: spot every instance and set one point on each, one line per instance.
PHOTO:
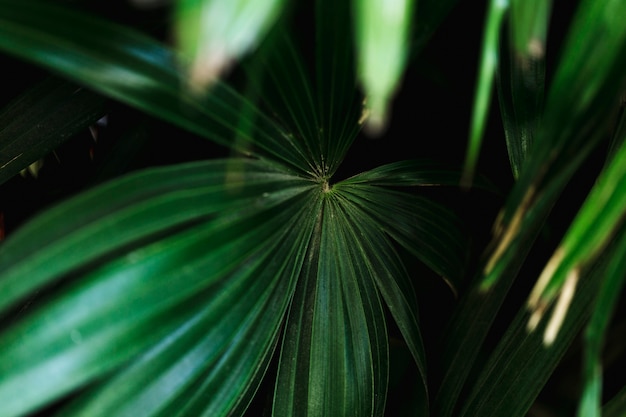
(594, 226)
(521, 364)
(603, 309)
(42, 118)
(468, 326)
(212, 34)
(619, 137)
(129, 66)
(487, 67)
(382, 43)
(521, 77)
(580, 105)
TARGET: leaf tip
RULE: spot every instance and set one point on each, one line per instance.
(375, 117)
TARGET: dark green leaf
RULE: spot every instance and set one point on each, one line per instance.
(428, 230)
(338, 100)
(334, 356)
(603, 310)
(521, 364)
(133, 68)
(125, 213)
(160, 277)
(222, 351)
(42, 118)
(521, 77)
(580, 104)
(593, 227)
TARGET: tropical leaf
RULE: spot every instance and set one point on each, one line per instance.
(126, 65)
(484, 84)
(212, 34)
(334, 358)
(520, 77)
(171, 285)
(594, 226)
(414, 216)
(603, 310)
(565, 138)
(521, 364)
(382, 33)
(559, 152)
(42, 118)
(138, 281)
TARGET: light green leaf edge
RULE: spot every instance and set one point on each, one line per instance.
(484, 84)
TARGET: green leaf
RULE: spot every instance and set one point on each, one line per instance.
(135, 293)
(129, 66)
(468, 327)
(339, 102)
(382, 32)
(335, 353)
(594, 226)
(580, 105)
(42, 118)
(428, 230)
(521, 77)
(415, 173)
(212, 34)
(604, 307)
(127, 212)
(521, 363)
(484, 83)
(581, 102)
(222, 352)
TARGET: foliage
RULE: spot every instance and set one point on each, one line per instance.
(270, 273)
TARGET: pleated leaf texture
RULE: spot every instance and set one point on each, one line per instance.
(168, 291)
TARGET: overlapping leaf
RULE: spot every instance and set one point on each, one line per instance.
(334, 358)
(158, 269)
(165, 291)
(131, 67)
(41, 119)
(521, 359)
(581, 102)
